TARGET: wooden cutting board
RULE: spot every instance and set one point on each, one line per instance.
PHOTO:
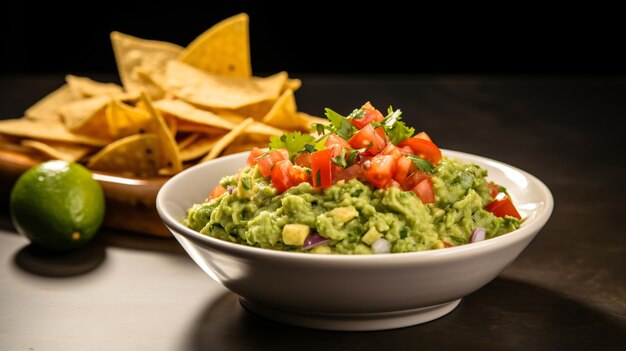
(130, 202)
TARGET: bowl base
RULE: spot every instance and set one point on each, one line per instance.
(351, 321)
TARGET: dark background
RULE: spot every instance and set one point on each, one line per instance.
(317, 37)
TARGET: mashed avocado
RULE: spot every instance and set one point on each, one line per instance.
(351, 217)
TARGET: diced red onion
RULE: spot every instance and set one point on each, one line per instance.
(381, 246)
(230, 188)
(478, 235)
(313, 240)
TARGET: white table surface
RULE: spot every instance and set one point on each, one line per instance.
(135, 300)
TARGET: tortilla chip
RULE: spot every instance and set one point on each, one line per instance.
(256, 127)
(88, 117)
(227, 140)
(224, 49)
(187, 140)
(124, 120)
(212, 91)
(149, 82)
(136, 155)
(193, 114)
(172, 124)
(83, 87)
(312, 119)
(284, 113)
(293, 84)
(190, 127)
(237, 147)
(168, 150)
(198, 148)
(58, 150)
(46, 130)
(11, 143)
(48, 107)
(132, 52)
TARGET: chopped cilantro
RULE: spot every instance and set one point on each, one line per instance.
(318, 178)
(245, 183)
(294, 142)
(421, 164)
(340, 159)
(352, 156)
(340, 124)
(396, 130)
(310, 148)
(356, 114)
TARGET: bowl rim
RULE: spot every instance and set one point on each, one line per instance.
(529, 228)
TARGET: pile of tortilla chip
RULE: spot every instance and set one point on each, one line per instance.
(177, 107)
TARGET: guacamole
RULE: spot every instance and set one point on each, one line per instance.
(353, 192)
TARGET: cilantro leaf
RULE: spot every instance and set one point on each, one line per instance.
(421, 164)
(340, 159)
(356, 114)
(294, 142)
(352, 156)
(396, 130)
(340, 124)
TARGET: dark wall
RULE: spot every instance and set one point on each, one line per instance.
(317, 37)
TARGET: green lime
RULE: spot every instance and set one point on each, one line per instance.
(57, 205)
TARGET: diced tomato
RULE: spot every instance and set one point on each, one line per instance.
(299, 175)
(406, 150)
(381, 133)
(281, 175)
(404, 169)
(413, 180)
(424, 190)
(371, 115)
(216, 192)
(423, 135)
(503, 206)
(424, 149)
(285, 175)
(334, 139)
(369, 139)
(303, 159)
(493, 189)
(321, 168)
(265, 163)
(380, 170)
(351, 172)
(392, 151)
(254, 153)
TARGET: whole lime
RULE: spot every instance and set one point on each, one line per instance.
(57, 205)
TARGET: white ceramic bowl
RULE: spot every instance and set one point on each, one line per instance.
(352, 292)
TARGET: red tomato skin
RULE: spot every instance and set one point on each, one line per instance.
(303, 159)
(266, 163)
(367, 138)
(503, 207)
(424, 149)
(413, 180)
(351, 172)
(405, 168)
(217, 191)
(321, 164)
(371, 115)
(334, 139)
(380, 170)
(281, 175)
(392, 151)
(424, 190)
(423, 135)
(254, 153)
